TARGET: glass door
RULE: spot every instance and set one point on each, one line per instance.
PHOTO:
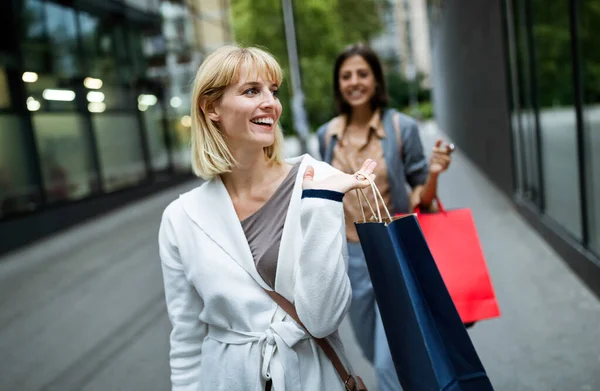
(523, 117)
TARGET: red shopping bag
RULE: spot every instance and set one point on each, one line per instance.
(454, 243)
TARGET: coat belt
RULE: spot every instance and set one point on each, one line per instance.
(279, 360)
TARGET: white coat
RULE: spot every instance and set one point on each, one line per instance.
(228, 334)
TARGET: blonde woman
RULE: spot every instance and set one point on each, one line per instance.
(258, 224)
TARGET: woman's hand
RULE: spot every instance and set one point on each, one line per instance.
(415, 198)
(440, 157)
(339, 182)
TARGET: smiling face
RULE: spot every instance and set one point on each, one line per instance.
(356, 82)
(248, 111)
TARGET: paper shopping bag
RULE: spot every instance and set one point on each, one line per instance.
(430, 346)
(453, 241)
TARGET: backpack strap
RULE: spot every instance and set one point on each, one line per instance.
(397, 128)
(326, 136)
(391, 119)
(331, 128)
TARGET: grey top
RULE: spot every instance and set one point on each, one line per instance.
(263, 229)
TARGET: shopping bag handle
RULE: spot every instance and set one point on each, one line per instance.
(417, 209)
(378, 198)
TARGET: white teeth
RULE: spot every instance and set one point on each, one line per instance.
(265, 120)
(355, 94)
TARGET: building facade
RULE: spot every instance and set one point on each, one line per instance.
(413, 38)
(404, 42)
(515, 86)
(386, 44)
(94, 106)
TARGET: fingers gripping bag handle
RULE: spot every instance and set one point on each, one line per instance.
(378, 198)
(441, 208)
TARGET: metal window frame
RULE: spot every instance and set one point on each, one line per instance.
(532, 62)
(576, 63)
(512, 98)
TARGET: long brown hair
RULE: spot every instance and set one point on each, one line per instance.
(380, 98)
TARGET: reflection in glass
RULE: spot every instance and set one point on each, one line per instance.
(33, 19)
(523, 119)
(105, 49)
(557, 119)
(589, 30)
(117, 97)
(62, 35)
(139, 61)
(5, 101)
(34, 43)
(120, 150)
(65, 156)
(53, 93)
(181, 137)
(153, 121)
(18, 189)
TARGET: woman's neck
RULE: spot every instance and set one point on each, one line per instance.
(360, 116)
(253, 170)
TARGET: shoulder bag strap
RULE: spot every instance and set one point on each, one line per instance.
(349, 382)
(398, 130)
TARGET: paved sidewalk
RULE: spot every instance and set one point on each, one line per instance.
(84, 310)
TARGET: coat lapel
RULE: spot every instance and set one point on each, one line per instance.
(290, 247)
(210, 207)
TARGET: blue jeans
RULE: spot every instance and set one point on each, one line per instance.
(366, 321)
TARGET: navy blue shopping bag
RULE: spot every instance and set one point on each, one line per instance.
(430, 346)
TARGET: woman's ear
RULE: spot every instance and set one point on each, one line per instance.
(210, 110)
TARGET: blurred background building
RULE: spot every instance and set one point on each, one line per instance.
(413, 38)
(94, 104)
(404, 40)
(517, 85)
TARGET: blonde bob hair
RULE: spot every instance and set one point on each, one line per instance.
(211, 155)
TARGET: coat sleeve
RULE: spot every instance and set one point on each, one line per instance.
(322, 292)
(183, 306)
(416, 167)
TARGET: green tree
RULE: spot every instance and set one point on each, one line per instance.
(323, 29)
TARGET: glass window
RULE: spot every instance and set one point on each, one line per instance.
(122, 51)
(106, 49)
(180, 135)
(18, 188)
(153, 121)
(33, 20)
(5, 101)
(98, 46)
(62, 35)
(34, 32)
(557, 119)
(120, 150)
(120, 98)
(140, 64)
(51, 43)
(50, 93)
(525, 136)
(145, 5)
(64, 156)
(589, 30)
(93, 44)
